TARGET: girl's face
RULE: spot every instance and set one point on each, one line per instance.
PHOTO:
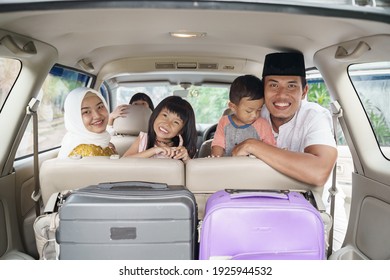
(94, 113)
(167, 125)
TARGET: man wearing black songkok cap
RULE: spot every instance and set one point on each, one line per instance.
(306, 149)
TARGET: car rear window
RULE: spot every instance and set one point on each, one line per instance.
(208, 102)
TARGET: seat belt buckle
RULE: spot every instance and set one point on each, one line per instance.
(337, 111)
(332, 193)
(36, 196)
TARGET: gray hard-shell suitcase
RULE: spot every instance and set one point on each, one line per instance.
(128, 220)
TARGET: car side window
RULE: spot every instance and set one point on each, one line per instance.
(9, 72)
(372, 83)
(51, 128)
(319, 93)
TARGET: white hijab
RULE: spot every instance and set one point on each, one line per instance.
(77, 133)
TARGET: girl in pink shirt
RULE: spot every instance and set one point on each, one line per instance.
(171, 133)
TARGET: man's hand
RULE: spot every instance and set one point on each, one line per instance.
(244, 148)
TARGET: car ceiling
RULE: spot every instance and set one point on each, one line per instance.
(117, 40)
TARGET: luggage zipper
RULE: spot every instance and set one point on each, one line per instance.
(199, 229)
(61, 198)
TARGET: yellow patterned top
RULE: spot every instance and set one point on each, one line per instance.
(88, 150)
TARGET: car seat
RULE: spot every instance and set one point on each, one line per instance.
(128, 128)
(208, 135)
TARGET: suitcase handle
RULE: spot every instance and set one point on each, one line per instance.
(259, 194)
(132, 184)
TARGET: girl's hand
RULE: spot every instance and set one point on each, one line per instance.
(181, 153)
(165, 151)
(181, 141)
(119, 111)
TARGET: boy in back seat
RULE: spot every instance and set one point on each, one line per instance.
(246, 98)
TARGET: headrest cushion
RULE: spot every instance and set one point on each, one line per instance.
(136, 120)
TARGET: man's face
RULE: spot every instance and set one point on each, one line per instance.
(283, 96)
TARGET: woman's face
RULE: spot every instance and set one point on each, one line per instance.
(94, 114)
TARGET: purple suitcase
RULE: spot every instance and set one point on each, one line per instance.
(261, 225)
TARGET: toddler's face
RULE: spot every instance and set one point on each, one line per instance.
(247, 111)
(94, 113)
(167, 125)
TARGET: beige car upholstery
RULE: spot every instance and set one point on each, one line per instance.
(67, 174)
(348, 253)
(128, 128)
(205, 176)
(202, 176)
(16, 255)
(205, 148)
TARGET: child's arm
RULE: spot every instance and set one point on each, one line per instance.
(165, 151)
(119, 111)
(265, 130)
(217, 151)
(133, 151)
(218, 144)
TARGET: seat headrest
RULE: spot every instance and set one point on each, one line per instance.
(227, 112)
(59, 174)
(136, 120)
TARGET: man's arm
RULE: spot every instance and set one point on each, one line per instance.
(313, 166)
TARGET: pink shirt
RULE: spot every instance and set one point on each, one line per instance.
(228, 134)
(143, 143)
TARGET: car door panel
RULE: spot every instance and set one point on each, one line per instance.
(35, 66)
(24, 187)
(369, 225)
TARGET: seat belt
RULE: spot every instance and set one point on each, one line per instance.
(337, 112)
(32, 109)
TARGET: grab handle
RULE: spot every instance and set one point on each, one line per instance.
(260, 193)
(132, 184)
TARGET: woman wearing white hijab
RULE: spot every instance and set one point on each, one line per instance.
(86, 117)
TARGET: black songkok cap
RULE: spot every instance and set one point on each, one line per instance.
(284, 64)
